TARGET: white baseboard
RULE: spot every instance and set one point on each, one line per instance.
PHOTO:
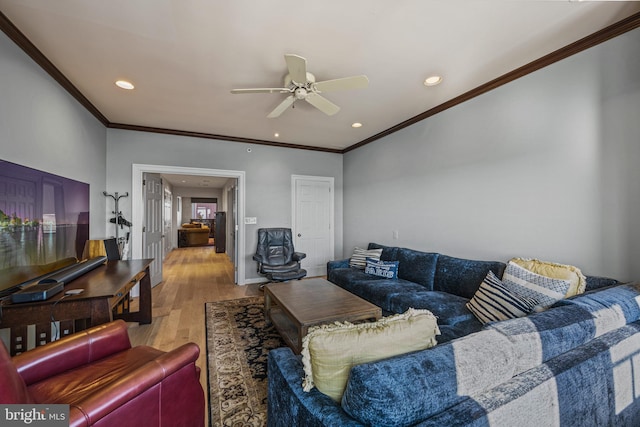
(256, 280)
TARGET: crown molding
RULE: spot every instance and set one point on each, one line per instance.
(29, 48)
(630, 23)
(220, 137)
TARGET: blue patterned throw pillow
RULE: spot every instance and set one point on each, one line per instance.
(386, 269)
(493, 301)
(546, 290)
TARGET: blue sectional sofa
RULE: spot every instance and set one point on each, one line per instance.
(426, 280)
(575, 364)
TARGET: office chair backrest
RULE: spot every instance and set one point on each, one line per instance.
(275, 245)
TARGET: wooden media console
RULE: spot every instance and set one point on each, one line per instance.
(104, 297)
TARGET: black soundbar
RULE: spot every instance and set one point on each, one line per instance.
(54, 283)
(73, 272)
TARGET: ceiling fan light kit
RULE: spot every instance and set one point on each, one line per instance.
(302, 85)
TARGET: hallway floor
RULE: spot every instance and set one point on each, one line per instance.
(192, 277)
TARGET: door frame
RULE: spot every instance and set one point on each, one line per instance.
(137, 205)
(294, 201)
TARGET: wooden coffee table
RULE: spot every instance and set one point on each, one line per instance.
(295, 306)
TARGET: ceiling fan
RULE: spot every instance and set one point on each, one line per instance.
(300, 84)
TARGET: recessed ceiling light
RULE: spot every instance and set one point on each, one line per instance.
(433, 80)
(356, 125)
(125, 84)
(276, 134)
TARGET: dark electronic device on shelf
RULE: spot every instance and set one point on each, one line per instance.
(39, 292)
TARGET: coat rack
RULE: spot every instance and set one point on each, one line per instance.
(119, 219)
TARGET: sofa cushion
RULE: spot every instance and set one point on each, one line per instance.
(442, 376)
(591, 385)
(449, 309)
(378, 290)
(462, 277)
(345, 277)
(596, 282)
(556, 271)
(493, 302)
(389, 253)
(187, 225)
(418, 267)
(611, 307)
(458, 330)
(542, 336)
(359, 257)
(78, 385)
(386, 269)
(545, 290)
(330, 351)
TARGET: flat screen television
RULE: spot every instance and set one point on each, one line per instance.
(44, 224)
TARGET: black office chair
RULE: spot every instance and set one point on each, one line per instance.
(276, 257)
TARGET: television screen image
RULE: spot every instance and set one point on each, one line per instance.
(44, 223)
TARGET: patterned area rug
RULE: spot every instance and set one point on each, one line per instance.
(238, 342)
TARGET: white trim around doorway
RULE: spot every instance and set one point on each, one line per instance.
(137, 205)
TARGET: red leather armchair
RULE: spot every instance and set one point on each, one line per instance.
(107, 382)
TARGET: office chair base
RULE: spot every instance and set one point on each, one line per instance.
(284, 277)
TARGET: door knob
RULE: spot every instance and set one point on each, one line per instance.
(299, 235)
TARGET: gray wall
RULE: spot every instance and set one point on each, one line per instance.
(43, 127)
(268, 174)
(542, 167)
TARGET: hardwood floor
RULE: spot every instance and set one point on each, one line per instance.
(192, 277)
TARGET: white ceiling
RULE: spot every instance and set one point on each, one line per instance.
(184, 56)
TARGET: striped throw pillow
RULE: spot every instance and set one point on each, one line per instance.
(546, 290)
(359, 257)
(493, 301)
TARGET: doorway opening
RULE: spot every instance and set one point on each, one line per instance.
(137, 210)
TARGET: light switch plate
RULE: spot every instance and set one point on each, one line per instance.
(250, 220)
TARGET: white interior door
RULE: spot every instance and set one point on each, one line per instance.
(232, 224)
(313, 221)
(167, 232)
(153, 225)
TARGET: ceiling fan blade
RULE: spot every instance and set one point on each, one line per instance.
(322, 104)
(262, 90)
(353, 82)
(282, 106)
(297, 66)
